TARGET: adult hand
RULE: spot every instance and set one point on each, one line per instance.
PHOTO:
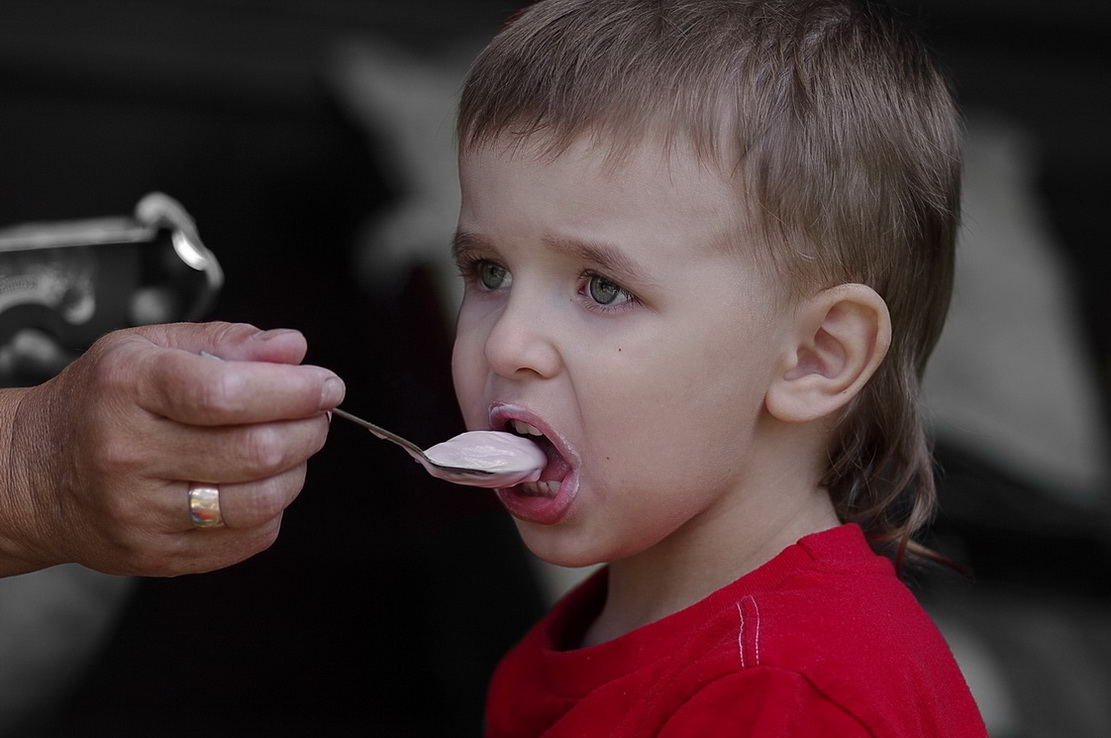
(96, 464)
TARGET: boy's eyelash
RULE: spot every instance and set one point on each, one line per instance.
(469, 265)
(466, 264)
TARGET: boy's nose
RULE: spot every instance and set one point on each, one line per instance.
(521, 342)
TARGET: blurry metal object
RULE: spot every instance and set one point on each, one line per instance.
(64, 284)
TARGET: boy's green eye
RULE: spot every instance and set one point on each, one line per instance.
(605, 292)
(493, 276)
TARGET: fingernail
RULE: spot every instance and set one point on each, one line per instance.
(272, 333)
(331, 394)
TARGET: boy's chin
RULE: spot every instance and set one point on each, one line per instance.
(560, 549)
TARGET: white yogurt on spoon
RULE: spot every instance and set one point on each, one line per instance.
(509, 459)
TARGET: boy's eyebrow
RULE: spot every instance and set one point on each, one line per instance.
(607, 256)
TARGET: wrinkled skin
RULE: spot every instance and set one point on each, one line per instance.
(97, 461)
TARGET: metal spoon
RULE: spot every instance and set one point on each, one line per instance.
(456, 474)
(482, 458)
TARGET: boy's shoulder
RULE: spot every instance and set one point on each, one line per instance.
(830, 614)
(827, 597)
(830, 600)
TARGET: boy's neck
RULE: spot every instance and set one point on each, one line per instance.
(672, 576)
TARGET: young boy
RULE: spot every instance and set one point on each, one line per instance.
(708, 246)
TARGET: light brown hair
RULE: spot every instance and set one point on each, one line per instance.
(844, 137)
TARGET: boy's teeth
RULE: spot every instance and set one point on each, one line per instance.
(525, 429)
(541, 489)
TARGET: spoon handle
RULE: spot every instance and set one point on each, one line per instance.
(381, 432)
(450, 473)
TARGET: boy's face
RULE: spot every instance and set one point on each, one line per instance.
(610, 307)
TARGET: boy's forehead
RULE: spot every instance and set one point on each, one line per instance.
(608, 182)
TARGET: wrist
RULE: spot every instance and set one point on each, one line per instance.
(24, 460)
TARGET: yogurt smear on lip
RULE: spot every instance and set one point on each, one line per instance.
(511, 459)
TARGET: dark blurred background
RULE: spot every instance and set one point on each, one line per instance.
(389, 596)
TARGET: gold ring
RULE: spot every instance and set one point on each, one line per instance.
(204, 505)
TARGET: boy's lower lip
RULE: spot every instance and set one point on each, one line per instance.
(543, 510)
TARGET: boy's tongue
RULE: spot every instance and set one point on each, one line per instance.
(556, 467)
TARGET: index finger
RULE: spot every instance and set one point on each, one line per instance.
(196, 390)
(229, 341)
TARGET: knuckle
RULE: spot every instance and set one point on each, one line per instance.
(264, 501)
(113, 455)
(226, 332)
(111, 373)
(96, 466)
(265, 504)
(125, 518)
(268, 533)
(141, 554)
(221, 397)
(264, 452)
(153, 564)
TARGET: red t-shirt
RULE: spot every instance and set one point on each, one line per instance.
(824, 640)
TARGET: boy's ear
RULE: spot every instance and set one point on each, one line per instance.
(839, 338)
